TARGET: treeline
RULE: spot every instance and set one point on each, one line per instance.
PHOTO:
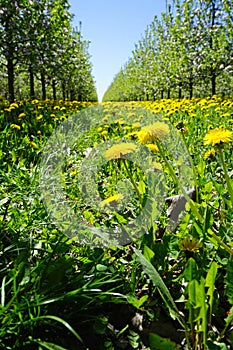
(188, 52)
(41, 54)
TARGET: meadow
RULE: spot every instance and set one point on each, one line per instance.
(132, 272)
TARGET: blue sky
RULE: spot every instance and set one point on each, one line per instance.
(113, 27)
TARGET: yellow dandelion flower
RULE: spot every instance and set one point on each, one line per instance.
(120, 121)
(34, 102)
(218, 136)
(153, 132)
(56, 108)
(190, 244)
(104, 133)
(119, 150)
(99, 129)
(14, 105)
(21, 115)
(152, 147)
(38, 132)
(136, 125)
(33, 144)
(39, 117)
(157, 166)
(111, 200)
(209, 154)
(15, 126)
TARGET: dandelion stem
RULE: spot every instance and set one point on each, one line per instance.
(223, 245)
(132, 181)
(228, 180)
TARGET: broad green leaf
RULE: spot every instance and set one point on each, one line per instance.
(210, 282)
(191, 271)
(148, 253)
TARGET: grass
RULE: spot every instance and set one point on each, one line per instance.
(108, 263)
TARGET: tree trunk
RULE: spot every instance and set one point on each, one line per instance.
(54, 89)
(213, 72)
(168, 93)
(32, 85)
(190, 88)
(162, 94)
(213, 82)
(43, 87)
(63, 90)
(180, 90)
(10, 75)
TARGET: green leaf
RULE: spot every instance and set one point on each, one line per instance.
(120, 219)
(229, 282)
(49, 346)
(158, 282)
(100, 267)
(148, 253)
(64, 323)
(142, 187)
(100, 325)
(159, 343)
(197, 304)
(191, 271)
(133, 300)
(210, 282)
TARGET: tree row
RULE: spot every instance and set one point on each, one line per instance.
(41, 54)
(188, 52)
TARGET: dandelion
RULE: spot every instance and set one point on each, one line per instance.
(99, 129)
(153, 132)
(56, 108)
(157, 166)
(39, 117)
(14, 105)
(33, 144)
(21, 115)
(190, 244)
(111, 200)
(104, 133)
(152, 147)
(119, 150)
(15, 126)
(209, 154)
(136, 125)
(218, 136)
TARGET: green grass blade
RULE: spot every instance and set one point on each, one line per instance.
(49, 346)
(3, 291)
(64, 323)
(158, 282)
